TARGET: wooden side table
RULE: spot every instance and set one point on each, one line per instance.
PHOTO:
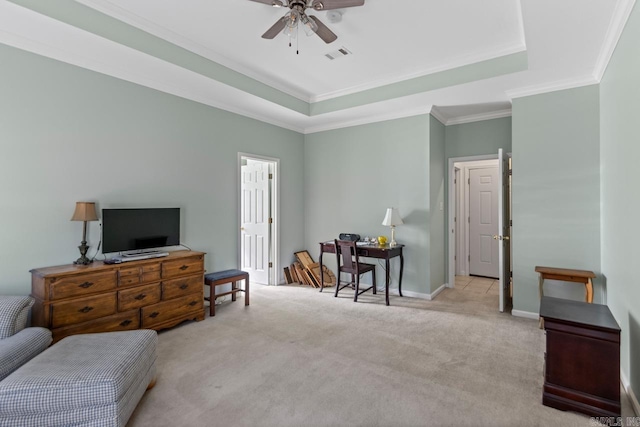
(567, 275)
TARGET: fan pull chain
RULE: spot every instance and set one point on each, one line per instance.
(298, 40)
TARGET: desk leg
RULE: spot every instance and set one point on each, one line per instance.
(401, 269)
(321, 272)
(589, 288)
(386, 286)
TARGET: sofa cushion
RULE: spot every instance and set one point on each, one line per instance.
(14, 312)
(18, 349)
(78, 372)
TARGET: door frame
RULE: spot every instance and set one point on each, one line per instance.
(274, 244)
(451, 203)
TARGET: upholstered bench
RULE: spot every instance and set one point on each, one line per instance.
(222, 278)
(92, 379)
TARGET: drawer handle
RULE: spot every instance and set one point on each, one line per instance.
(184, 267)
(154, 314)
(86, 285)
(125, 323)
(85, 309)
(184, 286)
(141, 297)
(192, 303)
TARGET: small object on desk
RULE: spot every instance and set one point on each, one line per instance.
(382, 240)
(567, 275)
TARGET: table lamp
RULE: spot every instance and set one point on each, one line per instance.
(391, 219)
(85, 211)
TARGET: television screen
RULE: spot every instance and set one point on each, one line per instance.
(137, 229)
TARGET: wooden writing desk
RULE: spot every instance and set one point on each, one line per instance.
(567, 275)
(385, 252)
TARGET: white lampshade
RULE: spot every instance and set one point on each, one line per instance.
(392, 218)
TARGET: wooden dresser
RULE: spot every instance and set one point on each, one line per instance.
(582, 361)
(150, 294)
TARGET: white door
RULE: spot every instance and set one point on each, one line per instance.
(483, 222)
(254, 218)
(504, 226)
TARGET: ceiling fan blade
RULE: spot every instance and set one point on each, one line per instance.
(269, 2)
(276, 28)
(335, 4)
(323, 31)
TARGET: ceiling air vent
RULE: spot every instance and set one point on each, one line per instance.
(343, 51)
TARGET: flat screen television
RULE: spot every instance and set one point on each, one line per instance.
(139, 229)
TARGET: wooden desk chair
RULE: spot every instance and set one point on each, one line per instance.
(346, 251)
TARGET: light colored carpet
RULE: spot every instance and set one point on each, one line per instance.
(297, 357)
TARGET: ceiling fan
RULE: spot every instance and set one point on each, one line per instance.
(297, 15)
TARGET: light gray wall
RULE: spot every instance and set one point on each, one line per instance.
(556, 191)
(353, 175)
(68, 134)
(620, 151)
(437, 176)
(473, 139)
(478, 138)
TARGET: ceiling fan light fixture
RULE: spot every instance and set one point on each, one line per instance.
(310, 27)
(277, 3)
(318, 5)
(290, 29)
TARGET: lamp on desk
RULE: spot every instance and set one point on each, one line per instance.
(391, 219)
(85, 211)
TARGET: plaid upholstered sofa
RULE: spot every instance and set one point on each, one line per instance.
(18, 344)
(83, 380)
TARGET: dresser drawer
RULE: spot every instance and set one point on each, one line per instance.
(137, 297)
(127, 321)
(172, 309)
(148, 268)
(152, 276)
(183, 267)
(82, 285)
(175, 288)
(83, 309)
(128, 272)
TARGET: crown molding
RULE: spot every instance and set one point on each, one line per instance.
(108, 8)
(616, 26)
(438, 115)
(449, 65)
(479, 117)
(368, 120)
(584, 80)
(124, 73)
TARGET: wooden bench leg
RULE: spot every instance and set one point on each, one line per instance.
(246, 290)
(234, 286)
(212, 301)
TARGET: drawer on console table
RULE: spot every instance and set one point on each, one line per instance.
(126, 321)
(165, 311)
(184, 267)
(139, 296)
(72, 286)
(82, 309)
(175, 288)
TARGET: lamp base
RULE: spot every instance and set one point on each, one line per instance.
(83, 260)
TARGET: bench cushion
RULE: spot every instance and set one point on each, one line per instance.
(79, 372)
(226, 274)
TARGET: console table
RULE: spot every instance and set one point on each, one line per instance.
(582, 359)
(154, 293)
(385, 252)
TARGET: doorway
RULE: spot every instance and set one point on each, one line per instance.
(258, 217)
(479, 226)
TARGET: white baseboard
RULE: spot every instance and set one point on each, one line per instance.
(525, 314)
(632, 397)
(428, 297)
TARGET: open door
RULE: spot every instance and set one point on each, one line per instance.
(504, 228)
(255, 220)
